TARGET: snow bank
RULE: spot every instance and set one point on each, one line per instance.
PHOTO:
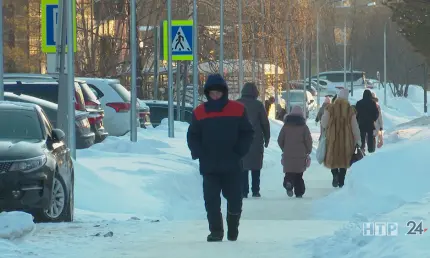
(380, 182)
(15, 224)
(349, 242)
(153, 178)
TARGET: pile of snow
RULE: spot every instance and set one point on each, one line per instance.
(154, 178)
(349, 241)
(15, 224)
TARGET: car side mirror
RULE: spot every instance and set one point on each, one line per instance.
(58, 135)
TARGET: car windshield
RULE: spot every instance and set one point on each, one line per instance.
(122, 91)
(295, 96)
(21, 125)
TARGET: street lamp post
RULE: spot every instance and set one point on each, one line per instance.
(385, 64)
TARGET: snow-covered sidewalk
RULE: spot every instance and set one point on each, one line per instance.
(154, 193)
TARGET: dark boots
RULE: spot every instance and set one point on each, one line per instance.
(217, 230)
(233, 226)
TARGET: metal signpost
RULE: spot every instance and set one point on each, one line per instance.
(1, 52)
(221, 39)
(241, 68)
(133, 46)
(177, 45)
(195, 56)
(58, 25)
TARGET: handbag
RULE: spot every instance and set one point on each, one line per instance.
(380, 140)
(308, 161)
(320, 155)
(357, 155)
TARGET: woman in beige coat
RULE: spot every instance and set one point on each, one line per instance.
(295, 142)
(379, 124)
(342, 136)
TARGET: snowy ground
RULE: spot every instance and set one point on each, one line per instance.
(145, 200)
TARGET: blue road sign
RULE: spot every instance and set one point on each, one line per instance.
(181, 39)
(50, 23)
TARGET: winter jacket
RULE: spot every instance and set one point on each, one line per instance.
(260, 123)
(367, 112)
(295, 141)
(220, 133)
(342, 134)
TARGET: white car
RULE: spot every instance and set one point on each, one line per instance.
(296, 97)
(115, 100)
(335, 80)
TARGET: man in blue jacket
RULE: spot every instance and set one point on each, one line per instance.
(220, 135)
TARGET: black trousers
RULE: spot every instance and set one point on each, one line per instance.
(230, 185)
(340, 174)
(367, 137)
(255, 176)
(296, 179)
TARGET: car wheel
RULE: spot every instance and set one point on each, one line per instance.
(58, 210)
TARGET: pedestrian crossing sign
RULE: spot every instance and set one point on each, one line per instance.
(181, 40)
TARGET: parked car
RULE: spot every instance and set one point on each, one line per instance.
(295, 98)
(116, 102)
(36, 170)
(159, 111)
(93, 106)
(322, 85)
(84, 136)
(336, 80)
(46, 87)
(298, 85)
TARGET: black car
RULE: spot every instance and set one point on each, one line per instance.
(92, 105)
(159, 111)
(36, 170)
(47, 87)
(84, 136)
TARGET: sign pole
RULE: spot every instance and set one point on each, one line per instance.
(71, 79)
(195, 56)
(221, 39)
(133, 46)
(156, 61)
(171, 122)
(60, 40)
(1, 53)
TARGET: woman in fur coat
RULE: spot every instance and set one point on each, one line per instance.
(342, 136)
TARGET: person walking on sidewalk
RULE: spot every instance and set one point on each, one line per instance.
(342, 136)
(295, 141)
(253, 161)
(219, 136)
(367, 115)
(320, 113)
(379, 124)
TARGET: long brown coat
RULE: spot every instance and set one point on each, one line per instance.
(342, 134)
(295, 141)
